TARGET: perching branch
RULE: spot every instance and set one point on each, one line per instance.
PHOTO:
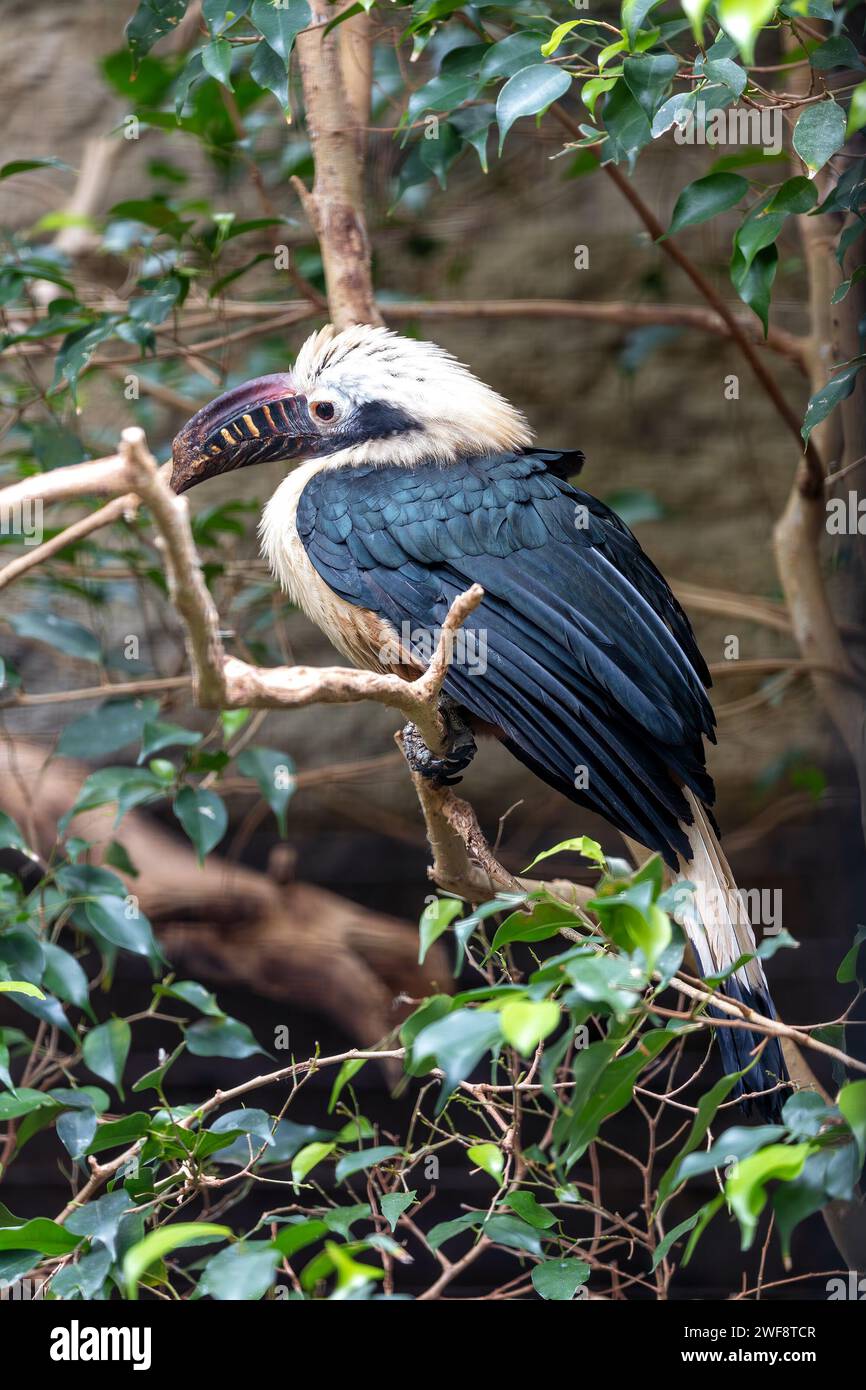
(224, 682)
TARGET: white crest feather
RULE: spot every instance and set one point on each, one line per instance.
(457, 414)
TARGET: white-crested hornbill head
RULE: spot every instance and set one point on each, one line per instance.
(365, 395)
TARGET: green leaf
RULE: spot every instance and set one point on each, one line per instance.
(23, 166)
(669, 1240)
(606, 980)
(543, 921)
(365, 1158)
(11, 837)
(728, 73)
(307, 1159)
(393, 1204)
(280, 24)
(299, 1235)
(529, 1209)
(152, 21)
(128, 786)
(435, 919)
(488, 1157)
(816, 1185)
(275, 774)
(847, 972)
(612, 1083)
(838, 389)
(225, 1037)
(40, 1234)
(706, 198)
(648, 78)
(704, 1217)
(191, 992)
(269, 71)
(707, 1107)
(153, 1080)
(754, 281)
(84, 1279)
(124, 926)
(511, 54)
(445, 92)
(819, 133)
(5, 1074)
(856, 111)
(743, 21)
(20, 987)
(633, 920)
(156, 735)
(836, 52)
(101, 1219)
(106, 1048)
(590, 93)
(352, 1275)
(75, 1130)
(436, 1007)
(525, 1024)
(627, 125)
(513, 1233)
(110, 727)
(118, 1134)
(455, 1043)
(745, 1189)
(159, 1243)
(634, 12)
(444, 1230)
(221, 14)
(203, 816)
(217, 61)
(48, 1010)
(191, 74)
(61, 633)
(780, 941)
(852, 1103)
(735, 1143)
(240, 1273)
(89, 880)
(560, 32)
(559, 1280)
(805, 1113)
(590, 849)
(350, 1068)
(529, 91)
(342, 1219)
(23, 1102)
(22, 957)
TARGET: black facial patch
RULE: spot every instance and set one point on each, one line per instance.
(374, 420)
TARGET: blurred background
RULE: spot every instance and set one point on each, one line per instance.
(700, 478)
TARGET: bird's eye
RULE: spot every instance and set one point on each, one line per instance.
(324, 410)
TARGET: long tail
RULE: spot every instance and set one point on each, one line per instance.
(720, 932)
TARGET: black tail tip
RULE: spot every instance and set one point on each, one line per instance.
(761, 1089)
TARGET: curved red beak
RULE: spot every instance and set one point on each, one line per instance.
(261, 420)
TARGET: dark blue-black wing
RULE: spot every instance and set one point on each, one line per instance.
(579, 654)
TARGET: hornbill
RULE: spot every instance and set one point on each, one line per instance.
(414, 480)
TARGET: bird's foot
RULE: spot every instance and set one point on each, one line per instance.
(460, 748)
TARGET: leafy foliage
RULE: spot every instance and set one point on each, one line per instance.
(567, 1011)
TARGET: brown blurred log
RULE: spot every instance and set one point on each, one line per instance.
(227, 923)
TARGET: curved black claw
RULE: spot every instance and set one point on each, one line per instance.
(444, 770)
